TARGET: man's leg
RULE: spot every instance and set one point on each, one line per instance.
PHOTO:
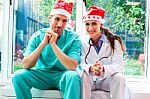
(24, 80)
(70, 84)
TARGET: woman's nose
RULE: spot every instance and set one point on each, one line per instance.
(90, 28)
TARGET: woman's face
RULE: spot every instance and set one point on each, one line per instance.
(93, 28)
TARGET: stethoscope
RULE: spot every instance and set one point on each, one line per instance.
(91, 44)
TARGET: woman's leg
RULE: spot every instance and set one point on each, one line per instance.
(118, 87)
(86, 85)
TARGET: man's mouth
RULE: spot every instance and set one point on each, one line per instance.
(58, 30)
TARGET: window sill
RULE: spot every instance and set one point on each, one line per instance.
(139, 87)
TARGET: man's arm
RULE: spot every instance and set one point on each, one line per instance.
(30, 60)
(70, 63)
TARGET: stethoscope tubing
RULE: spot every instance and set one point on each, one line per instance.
(89, 52)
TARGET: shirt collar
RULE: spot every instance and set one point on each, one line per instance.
(102, 38)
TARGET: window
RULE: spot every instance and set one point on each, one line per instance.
(127, 19)
(27, 16)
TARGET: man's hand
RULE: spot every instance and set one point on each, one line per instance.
(50, 37)
(54, 37)
(46, 39)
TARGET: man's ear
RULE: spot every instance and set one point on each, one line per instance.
(49, 18)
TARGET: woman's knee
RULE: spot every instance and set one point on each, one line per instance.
(118, 78)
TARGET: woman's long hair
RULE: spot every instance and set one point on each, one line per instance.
(112, 37)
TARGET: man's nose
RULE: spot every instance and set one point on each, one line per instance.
(60, 24)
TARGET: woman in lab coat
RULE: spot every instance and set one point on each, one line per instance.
(102, 58)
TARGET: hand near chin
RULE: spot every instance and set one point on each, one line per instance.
(46, 39)
(53, 38)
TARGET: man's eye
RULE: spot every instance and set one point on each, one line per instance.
(64, 21)
(57, 19)
(87, 24)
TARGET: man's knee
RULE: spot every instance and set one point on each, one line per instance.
(73, 76)
(18, 76)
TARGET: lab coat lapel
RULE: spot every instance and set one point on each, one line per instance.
(93, 56)
(103, 48)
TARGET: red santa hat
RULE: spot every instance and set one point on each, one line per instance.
(94, 13)
(62, 7)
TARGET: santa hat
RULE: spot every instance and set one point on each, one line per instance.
(62, 7)
(94, 13)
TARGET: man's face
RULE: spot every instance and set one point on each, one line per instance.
(58, 23)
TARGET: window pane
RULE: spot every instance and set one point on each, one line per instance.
(127, 19)
(31, 15)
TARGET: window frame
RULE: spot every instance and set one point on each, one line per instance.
(148, 39)
(1, 16)
(7, 40)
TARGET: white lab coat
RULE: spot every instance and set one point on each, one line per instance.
(112, 80)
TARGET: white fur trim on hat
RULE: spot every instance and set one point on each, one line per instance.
(93, 18)
(60, 11)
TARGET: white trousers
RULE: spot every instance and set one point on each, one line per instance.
(115, 85)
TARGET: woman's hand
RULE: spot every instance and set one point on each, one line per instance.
(97, 68)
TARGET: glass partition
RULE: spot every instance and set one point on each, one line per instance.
(1, 18)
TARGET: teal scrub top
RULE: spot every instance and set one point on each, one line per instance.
(69, 42)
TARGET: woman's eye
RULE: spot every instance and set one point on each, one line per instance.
(94, 23)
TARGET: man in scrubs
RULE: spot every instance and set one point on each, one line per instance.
(55, 54)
